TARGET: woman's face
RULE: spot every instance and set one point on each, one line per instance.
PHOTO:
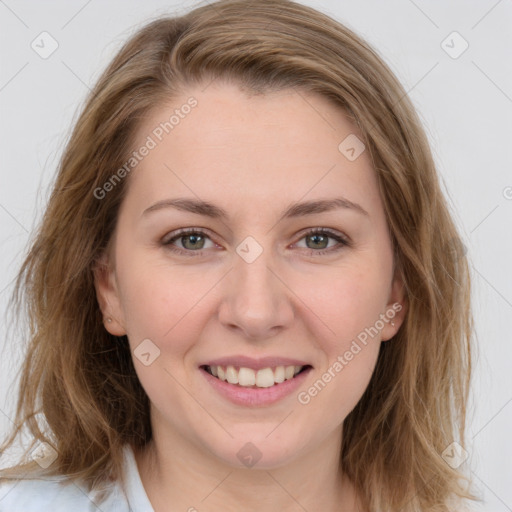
(252, 286)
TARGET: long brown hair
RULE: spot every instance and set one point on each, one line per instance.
(81, 378)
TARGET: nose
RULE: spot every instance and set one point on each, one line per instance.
(256, 300)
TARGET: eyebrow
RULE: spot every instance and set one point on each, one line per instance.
(207, 209)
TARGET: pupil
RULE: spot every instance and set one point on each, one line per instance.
(194, 239)
(316, 237)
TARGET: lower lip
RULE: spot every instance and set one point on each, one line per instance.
(255, 396)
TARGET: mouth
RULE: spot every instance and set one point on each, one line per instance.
(245, 377)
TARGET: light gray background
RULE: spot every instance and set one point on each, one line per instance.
(465, 104)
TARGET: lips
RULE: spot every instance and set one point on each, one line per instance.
(255, 396)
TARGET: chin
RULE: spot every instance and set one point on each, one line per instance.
(255, 450)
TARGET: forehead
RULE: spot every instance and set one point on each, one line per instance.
(278, 146)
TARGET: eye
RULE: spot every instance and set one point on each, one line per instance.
(191, 240)
(319, 239)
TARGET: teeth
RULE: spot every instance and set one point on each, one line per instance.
(288, 372)
(279, 374)
(247, 377)
(231, 375)
(265, 378)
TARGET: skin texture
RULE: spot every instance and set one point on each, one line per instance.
(252, 156)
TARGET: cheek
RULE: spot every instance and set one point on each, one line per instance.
(351, 311)
(341, 386)
(350, 306)
(349, 301)
(163, 302)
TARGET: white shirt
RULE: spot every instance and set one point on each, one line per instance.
(57, 494)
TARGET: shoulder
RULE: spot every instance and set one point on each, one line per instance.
(56, 494)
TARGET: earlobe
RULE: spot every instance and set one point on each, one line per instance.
(396, 308)
(107, 296)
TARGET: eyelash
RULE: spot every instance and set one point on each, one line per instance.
(342, 241)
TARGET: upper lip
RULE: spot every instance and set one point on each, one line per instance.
(255, 364)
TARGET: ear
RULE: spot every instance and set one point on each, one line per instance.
(396, 308)
(107, 294)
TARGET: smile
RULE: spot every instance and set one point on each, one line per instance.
(255, 388)
(247, 377)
